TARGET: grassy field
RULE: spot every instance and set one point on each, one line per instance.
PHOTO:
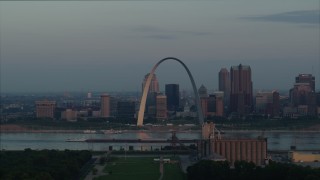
(140, 168)
(173, 172)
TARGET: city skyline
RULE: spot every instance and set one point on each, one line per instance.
(59, 46)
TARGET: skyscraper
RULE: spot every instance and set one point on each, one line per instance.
(126, 110)
(241, 89)
(173, 97)
(161, 107)
(154, 85)
(224, 84)
(306, 78)
(302, 95)
(267, 103)
(105, 105)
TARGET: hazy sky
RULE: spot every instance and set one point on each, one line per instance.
(111, 45)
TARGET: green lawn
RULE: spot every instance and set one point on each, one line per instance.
(140, 168)
(133, 168)
(173, 172)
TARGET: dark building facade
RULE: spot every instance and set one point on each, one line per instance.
(173, 96)
(241, 100)
(126, 109)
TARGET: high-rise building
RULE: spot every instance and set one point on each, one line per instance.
(306, 78)
(161, 107)
(203, 91)
(267, 103)
(105, 105)
(45, 109)
(126, 110)
(224, 84)
(241, 100)
(212, 105)
(173, 97)
(303, 97)
(154, 85)
(204, 106)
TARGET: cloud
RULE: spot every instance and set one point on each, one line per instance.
(162, 33)
(298, 17)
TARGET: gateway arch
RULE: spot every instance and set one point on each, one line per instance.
(147, 85)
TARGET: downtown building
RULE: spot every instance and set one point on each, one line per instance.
(105, 106)
(126, 110)
(161, 107)
(303, 98)
(173, 97)
(45, 109)
(241, 97)
(268, 103)
(212, 104)
(224, 85)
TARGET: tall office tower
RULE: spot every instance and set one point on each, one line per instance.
(204, 106)
(45, 109)
(126, 110)
(105, 105)
(154, 85)
(303, 97)
(173, 97)
(306, 78)
(161, 107)
(267, 103)
(241, 89)
(224, 84)
(203, 91)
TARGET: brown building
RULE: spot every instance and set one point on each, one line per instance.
(306, 78)
(161, 112)
(105, 105)
(204, 106)
(224, 84)
(267, 103)
(69, 115)
(241, 100)
(212, 106)
(303, 95)
(45, 109)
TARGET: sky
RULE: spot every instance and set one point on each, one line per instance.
(61, 46)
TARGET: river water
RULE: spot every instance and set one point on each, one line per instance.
(276, 140)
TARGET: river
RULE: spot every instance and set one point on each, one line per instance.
(276, 140)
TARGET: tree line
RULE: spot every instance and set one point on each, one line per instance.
(242, 170)
(44, 164)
